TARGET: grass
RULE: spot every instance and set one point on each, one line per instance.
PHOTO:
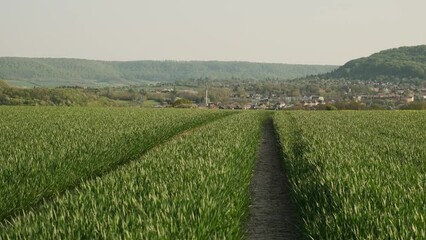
(48, 150)
(150, 103)
(127, 173)
(357, 175)
(193, 187)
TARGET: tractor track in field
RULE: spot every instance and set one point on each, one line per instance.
(6, 221)
(272, 211)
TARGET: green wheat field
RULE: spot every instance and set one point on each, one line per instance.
(128, 173)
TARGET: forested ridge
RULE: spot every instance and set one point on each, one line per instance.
(59, 72)
(389, 65)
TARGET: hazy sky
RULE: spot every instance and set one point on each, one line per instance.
(283, 31)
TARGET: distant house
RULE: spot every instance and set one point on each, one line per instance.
(262, 106)
(231, 106)
(310, 103)
(167, 90)
(421, 96)
(408, 99)
(189, 91)
(246, 106)
(318, 99)
(357, 98)
(279, 106)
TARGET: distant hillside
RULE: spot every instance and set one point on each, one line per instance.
(56, 72)
(392, 64)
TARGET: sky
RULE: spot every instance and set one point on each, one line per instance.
(278, 31)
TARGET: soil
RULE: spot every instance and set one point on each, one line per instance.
(272, 211)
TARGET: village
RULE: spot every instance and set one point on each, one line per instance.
(343, 94)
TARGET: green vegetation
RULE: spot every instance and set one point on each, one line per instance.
(51, 72)
(47, 150)
(389, 65)
(70, 96)
(338, 94)
(193, 187)
(73, 173)
(182, 103)
(415, 106)
(357, 175)
(150, 103)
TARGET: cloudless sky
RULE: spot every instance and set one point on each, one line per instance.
(282, 31)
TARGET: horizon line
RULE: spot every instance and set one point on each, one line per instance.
(171, 60)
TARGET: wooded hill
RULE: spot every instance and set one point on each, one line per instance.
(70, 72)
(388, 65)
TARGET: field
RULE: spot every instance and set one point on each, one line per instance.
(72, 173)
(357, 175)
(47, 150)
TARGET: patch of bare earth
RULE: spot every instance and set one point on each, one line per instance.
(272, 211)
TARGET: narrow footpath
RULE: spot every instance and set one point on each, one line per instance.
(272, 212)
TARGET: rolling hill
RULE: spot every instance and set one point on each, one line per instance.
(390, 65)
(58, 72)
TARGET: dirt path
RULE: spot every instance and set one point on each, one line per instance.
(272, 212)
